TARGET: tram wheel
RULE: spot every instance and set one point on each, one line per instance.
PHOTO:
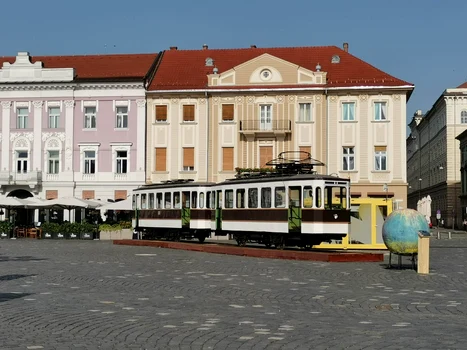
(241, 240)
(267, 241)
(201, 239)
(279, 242)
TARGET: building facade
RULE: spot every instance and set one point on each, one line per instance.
(73, 125)
(433, 156)
(211, 111)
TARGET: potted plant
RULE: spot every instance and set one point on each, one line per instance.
(86, 230)
(63, 230)
(108, 231)
(6, 228)
(50, 230)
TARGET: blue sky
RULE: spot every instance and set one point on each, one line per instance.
(420, 41)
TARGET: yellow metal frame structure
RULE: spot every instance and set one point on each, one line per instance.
(345, 244)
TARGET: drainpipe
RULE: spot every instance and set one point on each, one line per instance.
(208, 135)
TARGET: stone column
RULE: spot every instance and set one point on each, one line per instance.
(36, 156)
(6, 106)
(69, 126)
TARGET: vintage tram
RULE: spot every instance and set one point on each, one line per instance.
(291, 205)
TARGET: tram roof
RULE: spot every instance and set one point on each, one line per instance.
(284, 177)
(173, 184)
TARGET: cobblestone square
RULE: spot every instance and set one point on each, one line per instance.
(95, 295)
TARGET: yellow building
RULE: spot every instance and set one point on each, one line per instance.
(211, 111)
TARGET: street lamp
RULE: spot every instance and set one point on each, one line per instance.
(419, 188)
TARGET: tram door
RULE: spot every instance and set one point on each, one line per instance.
(295, 209)
(219, 210)
(186, 210)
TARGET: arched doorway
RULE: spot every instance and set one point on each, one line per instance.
(23, 216)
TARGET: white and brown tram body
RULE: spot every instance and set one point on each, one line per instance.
(299, 209)
(173, 210)
(281, 209)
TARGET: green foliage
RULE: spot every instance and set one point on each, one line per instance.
(50, 227)
(255, 170)
(6, 226)
(125, 224)
(107, 227)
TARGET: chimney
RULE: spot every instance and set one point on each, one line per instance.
(252, 46)
(173, 48)
(205, 47)
(346, 47)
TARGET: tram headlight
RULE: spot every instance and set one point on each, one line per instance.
(336, 216)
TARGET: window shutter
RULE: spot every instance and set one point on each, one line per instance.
(380, 148)
(227, 158)
(305, 149)
(51, 194)
(120, 194)
(228, 112)
(265, 155)
(189, 156)
(188, 113)
(161, 159)
(161, 113)
(88, 194)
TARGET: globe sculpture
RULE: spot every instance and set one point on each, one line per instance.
(400, 231)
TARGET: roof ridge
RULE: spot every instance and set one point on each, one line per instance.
(255, 48)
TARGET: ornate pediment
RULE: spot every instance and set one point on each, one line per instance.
(24, 71)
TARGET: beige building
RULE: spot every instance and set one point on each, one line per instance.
(433, 156)
(211, 111)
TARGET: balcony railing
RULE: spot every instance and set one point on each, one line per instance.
(262, 126)
(13, 178)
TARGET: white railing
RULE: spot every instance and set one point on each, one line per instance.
(11, 178)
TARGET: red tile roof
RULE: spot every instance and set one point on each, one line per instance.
(462, 86)
(185, 69)
(102, 67)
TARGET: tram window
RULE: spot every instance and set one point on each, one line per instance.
(253, 198)
(176, 200)
(168, 200)
(279, 196)
(338, 196)
(318, 197)
(151, 201)
(229, 198)
(159, 201)
(308, 197)
(134, 201)
(201, 199)
(266, 197)
(343, 197)
(219, 200)
(241, 198)
(185, 199)
(143, 201)
(210, 199)
(194, 199)
(138, 204)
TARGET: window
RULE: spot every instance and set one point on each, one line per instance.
(143, 201)
(161, 114)
(188, 159)
(151, 201)
(253, 198)
(161, 159)
(227, 158)
(22, 161)
(54, 162)
(348, 159)
(380, 111)
(176, 200)
(304, 112)
(464, 117)
(22, 118)
(89, 117)
(308, 197)
(265, 120)
(194, 199)
(318, 197)
(228, 113)
(229, 198)
(266, 197)
(279, 196)
(241, 198)
(122, 118)
(348, 111)
(380, 158)
(89, 162)
(122, 162)
(201, 200)
(189, 113)
(159, 201)
(167, 200)
(54, 116)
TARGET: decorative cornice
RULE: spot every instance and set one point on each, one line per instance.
(6, 104)
(27, 135)
(58, 135)
(70, 86)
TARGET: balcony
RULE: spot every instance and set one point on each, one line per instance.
(258, 127)
(32, 178)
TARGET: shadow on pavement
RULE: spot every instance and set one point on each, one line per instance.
(11, 296)
(13, 277)
(20, 258)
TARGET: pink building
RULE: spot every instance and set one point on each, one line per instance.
(73, 125)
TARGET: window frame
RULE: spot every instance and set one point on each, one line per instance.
(90, 117)
(53, 162)
(121, 162)
(54, 118)
(381, 158)
(162, 120)
(123, 116)
(22, 118)
(463, 117)
(346, 115)
(350, 157)
(305, 116)
(382, 111)
(90, 163)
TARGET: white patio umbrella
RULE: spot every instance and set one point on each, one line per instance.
(126, 204)
(69, 203)
(13, 202)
